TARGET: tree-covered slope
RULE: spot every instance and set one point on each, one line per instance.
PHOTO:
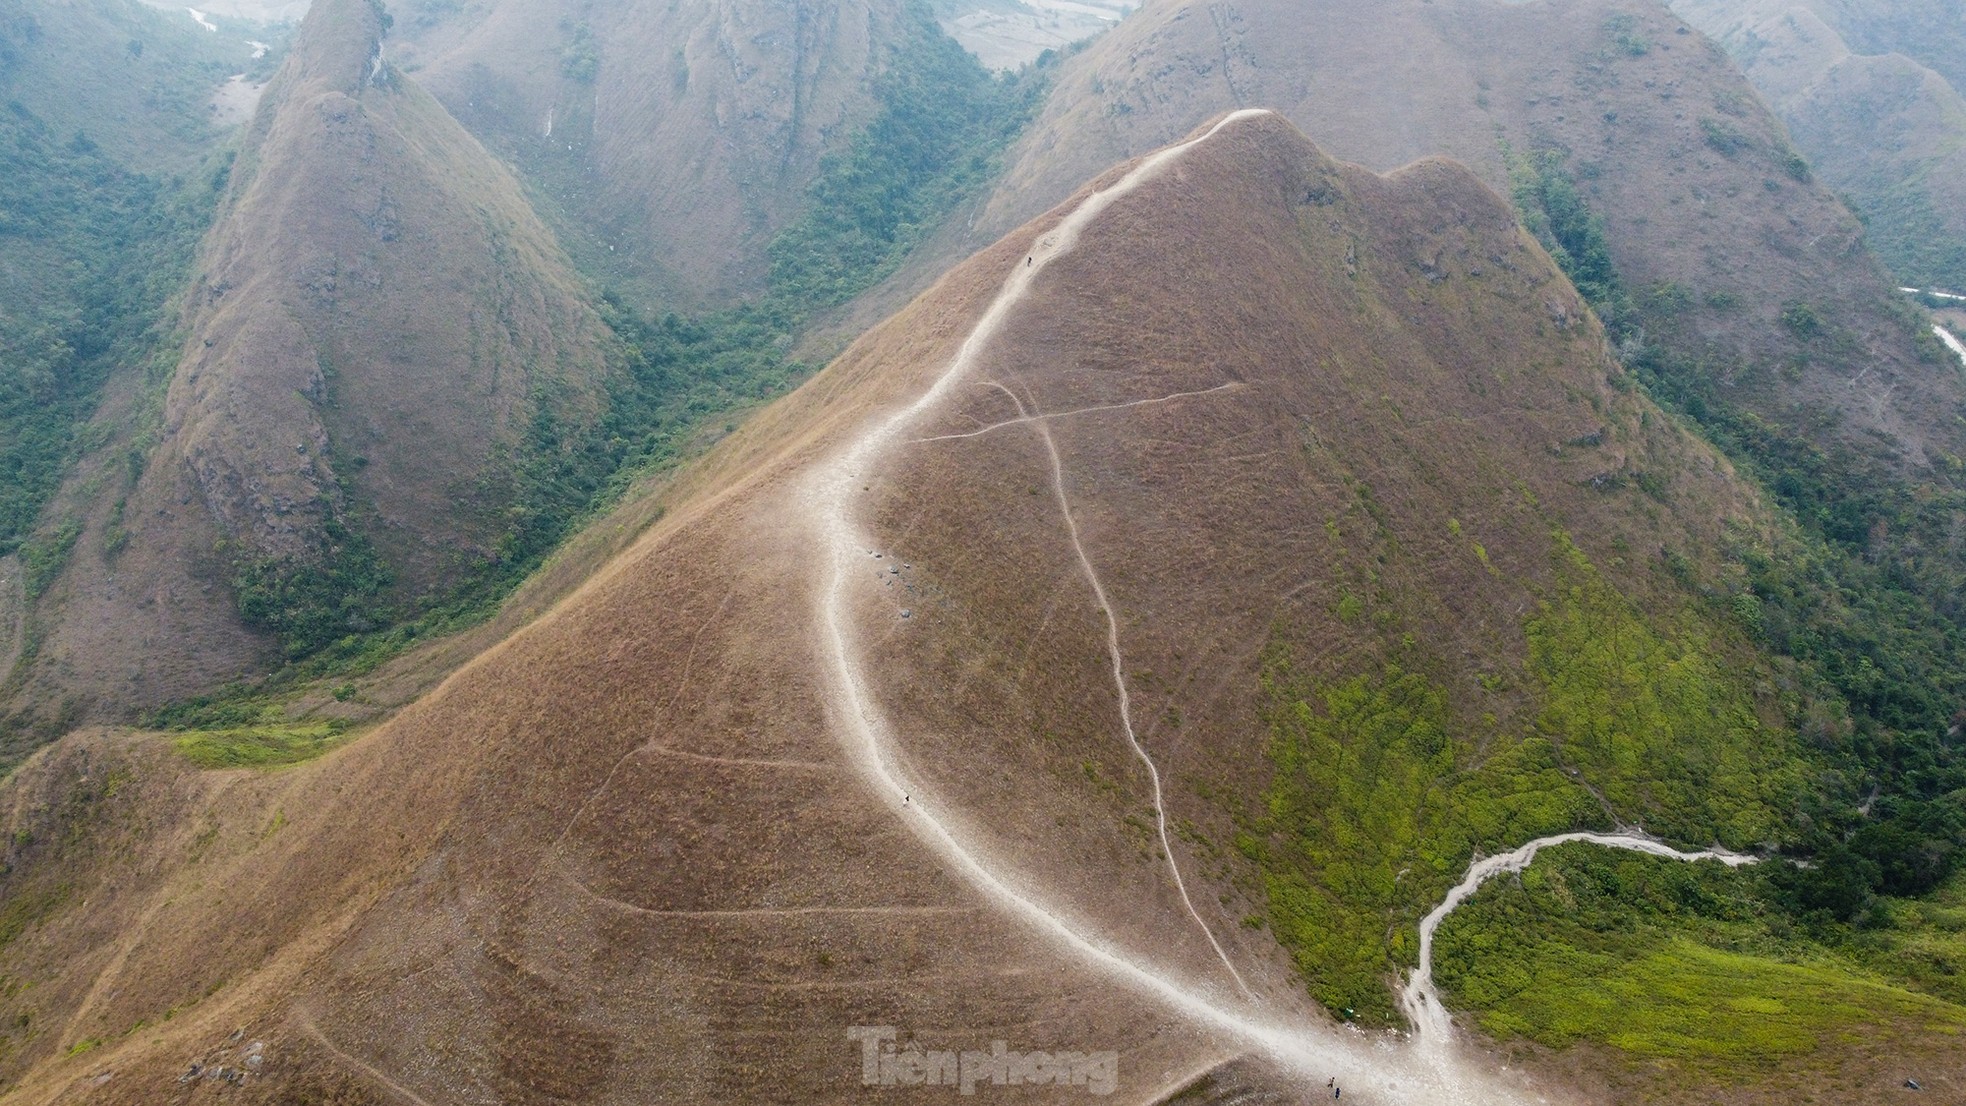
(376, 319)
(135, 80)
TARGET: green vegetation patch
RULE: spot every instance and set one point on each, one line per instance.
(937, 137)
(1368, 821)
(20, 912)
(93, 253)
(943, 123)
(1864, 598)
(1382, 794)
(1657, 723)
(1923, 942)
(260, 746)
(1664, 961)
(1910, 236)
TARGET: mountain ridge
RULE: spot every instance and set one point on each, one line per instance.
(606, 836)
(376, 323)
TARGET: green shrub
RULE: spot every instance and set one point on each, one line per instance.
(1724, 139)
(96, 251)
(259, 748)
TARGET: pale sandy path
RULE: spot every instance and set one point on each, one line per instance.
(1952, 343)
(1041, 424)
(1370, 1070)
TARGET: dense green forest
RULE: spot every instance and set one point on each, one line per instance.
(92, 253)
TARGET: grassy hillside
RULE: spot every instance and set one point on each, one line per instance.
(674, 381)
(1683, 968)
(1864, 89)
(651, 771)
(1864, 594)
(1400, 563)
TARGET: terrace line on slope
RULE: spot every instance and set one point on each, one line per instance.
(1038, 423)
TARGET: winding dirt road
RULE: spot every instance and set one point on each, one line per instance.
(1373, 1070)
(1427, 1070)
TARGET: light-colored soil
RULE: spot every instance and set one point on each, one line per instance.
(234, 102)
(1385, 84)
(1010, 36)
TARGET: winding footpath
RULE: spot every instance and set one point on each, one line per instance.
(1421, 1002)
(1373, 1070)
(1118, 661)
(1314, 1053)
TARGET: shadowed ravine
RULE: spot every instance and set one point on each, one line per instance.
(1425, 1070)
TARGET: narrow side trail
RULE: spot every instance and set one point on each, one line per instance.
(1952, 343)
(1042, 427)
(1432, 1028)
(1373, 1070)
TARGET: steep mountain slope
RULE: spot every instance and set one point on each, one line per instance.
(380, 336)
(1023, 603)
(1881, 127)
(1703, 214)
(1006, 34)
(108, 154)
(1930, 32)
(672, 139)
(102, 137)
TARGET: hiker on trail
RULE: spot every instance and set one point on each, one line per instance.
(1337, 1091)
(1027, 262)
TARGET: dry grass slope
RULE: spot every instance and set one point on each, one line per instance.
(624, 851)
(1669, 142)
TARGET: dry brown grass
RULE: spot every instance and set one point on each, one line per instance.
(624, 852)
(1385, 84)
